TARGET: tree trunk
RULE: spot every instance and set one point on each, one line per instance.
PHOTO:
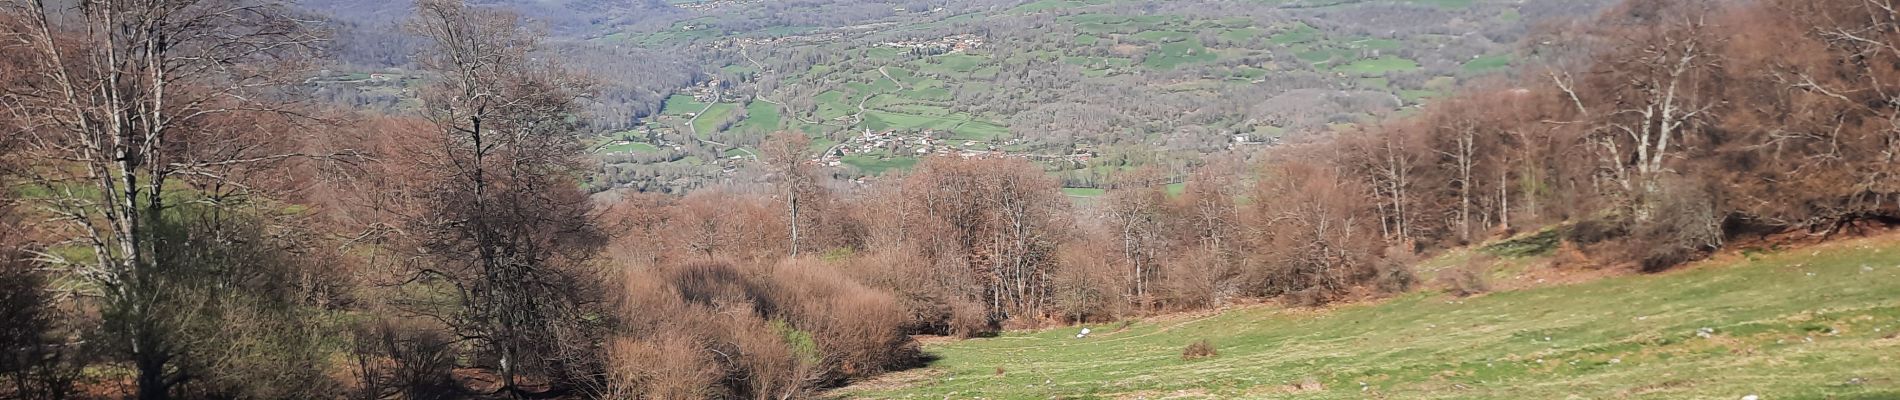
(792, 203)
(1504, 200)
(149, 359)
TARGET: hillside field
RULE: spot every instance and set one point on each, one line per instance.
(1808, 323)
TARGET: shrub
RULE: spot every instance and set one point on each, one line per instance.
(1198, 279)
(669, 367)
(1538, 244)
(1466, 280)
(857, 327)
(1593, 231)
(1198, 350)
(1569, 255)
(717, 330)
(402, 359)
(969, 319)
(925, 293)
(1314, 236)
(35, 365)
(1087, 285)
(1393, 273)
(1685, 226)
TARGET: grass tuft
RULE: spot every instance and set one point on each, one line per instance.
(1541, 243)
(1198, 350)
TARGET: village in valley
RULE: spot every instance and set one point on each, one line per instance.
(944, 45)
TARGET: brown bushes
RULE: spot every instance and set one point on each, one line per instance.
(995, 221)
(669, 367)
(1681, 224)
(394, 358)
(1315, 246)
(855, 325)
(1196, 279)
(1198, 350)
(1089, 284)
(1684, 228)
(1467, 280)
(36, 364)
(933, 296)
(725, 316)
(714, 330)
(969, 319)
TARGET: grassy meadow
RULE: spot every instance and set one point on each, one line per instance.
(1809, 323)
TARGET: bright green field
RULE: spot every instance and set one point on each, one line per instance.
(1378, 66)
(1488, 63)
(761, 117)
(1084, 192)
(1045, 5)
(708, 122)
(681, 105)
(1447, 4)
(1298, 33)
(1812, 323)
(876, 165)
(629, 147)
(1169, 55)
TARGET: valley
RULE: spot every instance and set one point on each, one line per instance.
(934, 199)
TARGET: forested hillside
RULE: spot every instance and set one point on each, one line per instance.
(253, 199)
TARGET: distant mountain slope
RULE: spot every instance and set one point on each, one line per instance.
(560, 13)
(1090, 87)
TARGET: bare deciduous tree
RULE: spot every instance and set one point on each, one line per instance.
(1654, 92)
(1136, 215)
(788, 155)
(1315, 241)
(505, 226)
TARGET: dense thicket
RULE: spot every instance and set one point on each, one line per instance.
(1689, 124)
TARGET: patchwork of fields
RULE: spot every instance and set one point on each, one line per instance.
(875, 77)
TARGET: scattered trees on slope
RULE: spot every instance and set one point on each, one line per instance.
(1690, 122)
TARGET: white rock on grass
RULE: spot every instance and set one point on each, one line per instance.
(1751, 397)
